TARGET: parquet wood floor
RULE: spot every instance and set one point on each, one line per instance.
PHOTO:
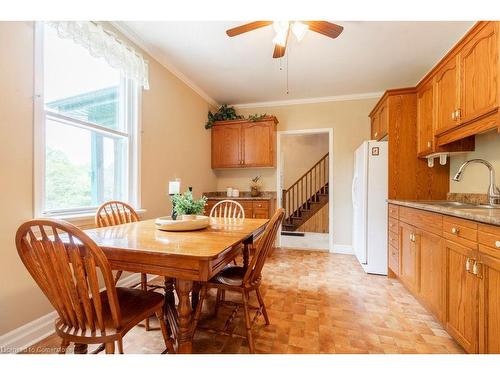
(317, 303)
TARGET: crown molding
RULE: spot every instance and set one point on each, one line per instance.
(323, 99)
(161, 58)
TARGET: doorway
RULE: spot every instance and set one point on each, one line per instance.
(304, 188)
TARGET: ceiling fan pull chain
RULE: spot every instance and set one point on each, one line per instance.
(287, 87)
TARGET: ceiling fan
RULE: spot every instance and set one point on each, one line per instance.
(283, 29)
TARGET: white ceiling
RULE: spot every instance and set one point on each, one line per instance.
(367, 57)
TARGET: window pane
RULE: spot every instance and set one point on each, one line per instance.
(79, 85)
(83, 168)
(114, 171)
(68, 172)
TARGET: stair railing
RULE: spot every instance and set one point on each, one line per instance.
(306, 189)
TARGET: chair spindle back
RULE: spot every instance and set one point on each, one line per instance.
(115, 213)
(264, 247)
(228, 209)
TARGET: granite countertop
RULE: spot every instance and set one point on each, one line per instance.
(245, 195)
(483, 215)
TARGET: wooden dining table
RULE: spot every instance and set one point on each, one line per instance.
(183, 258)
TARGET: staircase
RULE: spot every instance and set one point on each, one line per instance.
(306, 196)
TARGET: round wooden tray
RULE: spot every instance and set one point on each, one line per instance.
(167, 224)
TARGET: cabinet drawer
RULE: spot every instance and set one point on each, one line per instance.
(393, 211)
(393, 225)
(394, 260)
(488, 237)
(394, 240)
(261, 205)
(429, 221)
(247, 205)
(461, 231)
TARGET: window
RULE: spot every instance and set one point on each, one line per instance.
(87, 126)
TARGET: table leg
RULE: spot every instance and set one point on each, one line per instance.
(81, 349)
(246, 255)
(169, 303)
(195, 295)
(185, 334)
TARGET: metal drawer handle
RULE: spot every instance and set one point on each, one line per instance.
(467, 265)
(497, 244)
(455, 230)
(474, 268)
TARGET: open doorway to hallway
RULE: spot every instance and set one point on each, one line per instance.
(304, 186)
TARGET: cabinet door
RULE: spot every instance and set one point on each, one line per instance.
(408, 268)
(261, 210)
(383, 125)
(479, 74)
(258, 144)
(432, 272)
(226, 146)
(375, 126)
(461, 296)
(447, 95)
(425, 119)
(489, 305)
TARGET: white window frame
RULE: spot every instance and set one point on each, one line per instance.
(134, 94)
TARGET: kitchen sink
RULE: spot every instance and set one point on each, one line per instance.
(459, 205)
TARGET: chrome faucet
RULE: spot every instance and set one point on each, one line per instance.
(493, 190)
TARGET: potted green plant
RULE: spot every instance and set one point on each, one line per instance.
(186, 207)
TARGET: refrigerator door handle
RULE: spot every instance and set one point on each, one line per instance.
(353, 190)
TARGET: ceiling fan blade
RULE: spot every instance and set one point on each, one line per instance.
(279, 51)
(329, 29)
(247, 27)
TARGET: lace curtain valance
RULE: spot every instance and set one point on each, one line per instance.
(101, 44)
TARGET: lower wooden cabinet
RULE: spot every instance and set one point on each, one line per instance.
(432, 271)
(462, 295)
(408, 259)
(254, 209)
(453, 267)
(489, 304)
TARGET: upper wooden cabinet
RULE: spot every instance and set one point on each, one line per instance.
(425, 119)
(479, 74)
(244, 143)
(447, 84)
(380, 121)
(226, 146)
(466, 91)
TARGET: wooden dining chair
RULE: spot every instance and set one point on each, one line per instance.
(228, 209)
(115, 213)
(67, 265)
(241, 280)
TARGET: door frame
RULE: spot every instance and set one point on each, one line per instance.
(329, 132)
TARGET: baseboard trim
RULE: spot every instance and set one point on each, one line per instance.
(342, 249)
(23, 337)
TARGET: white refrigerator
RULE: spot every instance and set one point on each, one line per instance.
(369, 201)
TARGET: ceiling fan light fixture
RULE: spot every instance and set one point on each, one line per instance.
(299, 29)
(281, 29)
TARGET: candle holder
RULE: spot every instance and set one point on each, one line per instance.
(174, 187)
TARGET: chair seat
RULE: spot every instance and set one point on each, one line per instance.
(134, 303)
(231, 275)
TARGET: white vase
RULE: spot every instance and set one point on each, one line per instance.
(188, 217)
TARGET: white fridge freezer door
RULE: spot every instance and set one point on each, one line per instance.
(359, 191)
(377, 208)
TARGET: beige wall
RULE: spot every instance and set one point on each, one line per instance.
(475, 178)
(174, 144)
(351, 126)
(299, 153)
